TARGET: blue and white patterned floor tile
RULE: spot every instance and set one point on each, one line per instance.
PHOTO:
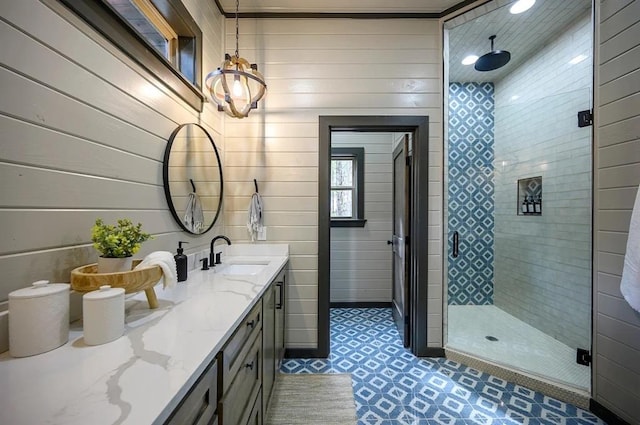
(393, 387)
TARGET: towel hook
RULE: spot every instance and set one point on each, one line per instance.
(193, 186)
(255, 183)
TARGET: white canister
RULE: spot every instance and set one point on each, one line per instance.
(103, 315)
(38, 318)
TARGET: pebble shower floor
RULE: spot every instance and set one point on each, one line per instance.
(392, 387)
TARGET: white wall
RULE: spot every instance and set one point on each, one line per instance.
(83, 136)
(325, 67)
(360, 256)
(616, 370)
(543, 263)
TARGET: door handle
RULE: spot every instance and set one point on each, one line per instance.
(389, 242)
(456, 237)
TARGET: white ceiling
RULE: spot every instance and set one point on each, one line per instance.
(522, 35)
(339, 6)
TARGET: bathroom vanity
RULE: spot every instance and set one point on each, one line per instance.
(208, 354)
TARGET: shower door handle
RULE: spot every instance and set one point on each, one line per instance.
(456, 238)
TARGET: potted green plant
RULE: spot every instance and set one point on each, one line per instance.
(117, 244)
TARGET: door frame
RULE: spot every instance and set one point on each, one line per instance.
(418, 126)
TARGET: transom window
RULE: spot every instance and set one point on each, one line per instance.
(347, 187)
(160, 35)
(150, 24)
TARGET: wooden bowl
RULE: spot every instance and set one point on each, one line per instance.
(87, 279)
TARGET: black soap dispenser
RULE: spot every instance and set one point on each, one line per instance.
(181, 263)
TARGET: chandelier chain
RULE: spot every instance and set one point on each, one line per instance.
(237, 7)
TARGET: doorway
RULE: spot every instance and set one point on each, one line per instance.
(417, 126)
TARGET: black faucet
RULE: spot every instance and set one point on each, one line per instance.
(212, 257)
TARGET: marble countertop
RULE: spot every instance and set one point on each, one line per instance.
(142, 376)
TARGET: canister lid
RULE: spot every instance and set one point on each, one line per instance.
(41, 288)
(105, 292)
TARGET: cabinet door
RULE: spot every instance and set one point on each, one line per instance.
(255, 418)
(199, 405)
(268, 347)
(280, 287)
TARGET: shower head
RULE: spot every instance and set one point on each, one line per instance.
(493, 60)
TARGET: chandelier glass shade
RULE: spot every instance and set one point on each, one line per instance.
(236, 86)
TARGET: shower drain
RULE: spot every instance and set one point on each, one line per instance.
(491, 338)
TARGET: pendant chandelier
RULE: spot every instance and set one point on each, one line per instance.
(236, 86)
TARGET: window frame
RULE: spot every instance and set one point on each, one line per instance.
(100, 16)
(159, 22)
(357, 156)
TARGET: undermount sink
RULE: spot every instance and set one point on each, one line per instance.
(244, 268)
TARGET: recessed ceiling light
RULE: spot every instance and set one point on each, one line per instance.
(577, 59)
(521, 6)
(469, 60)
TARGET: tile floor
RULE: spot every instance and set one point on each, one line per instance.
(393, 387)
(519, 345)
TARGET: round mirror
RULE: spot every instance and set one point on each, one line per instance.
(192, 175)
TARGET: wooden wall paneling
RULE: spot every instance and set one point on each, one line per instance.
(27, 230)
(53, 110)
(38, 188)
(616, 326)
(612, 7)
(619, 43)
(56, 34)
(41, 147)
(84, 131)
(619, 154)
(618, 88)
(346, 68)
(619, 66)
(84, 86)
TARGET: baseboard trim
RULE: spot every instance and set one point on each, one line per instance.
(302, 353)
(605, 414)
(360, 304)
(433, 352)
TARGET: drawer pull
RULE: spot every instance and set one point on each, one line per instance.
(252, 323)
(280, 286)
(249, 366)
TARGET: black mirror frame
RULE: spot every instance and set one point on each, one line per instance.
(165, 178)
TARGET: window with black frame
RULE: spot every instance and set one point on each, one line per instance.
(347, 187)
(160, 35)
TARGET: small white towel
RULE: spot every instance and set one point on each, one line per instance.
(255, 216)
(167, 263)
(630, 284)
(193, 217)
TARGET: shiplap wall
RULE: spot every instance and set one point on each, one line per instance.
(360, 256)
(326, 67)
(616, 369)
(83, 133)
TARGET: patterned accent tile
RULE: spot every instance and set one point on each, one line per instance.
(392, 387)
(471, 192)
